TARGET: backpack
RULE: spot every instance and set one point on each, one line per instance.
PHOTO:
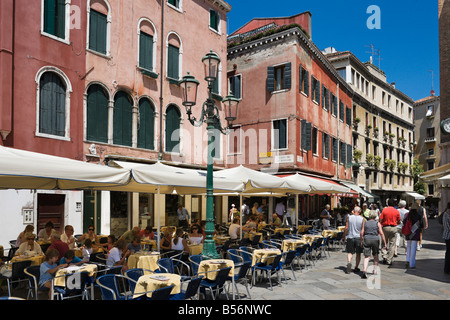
(406, 229)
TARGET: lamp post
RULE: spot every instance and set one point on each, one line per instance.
(210, 116)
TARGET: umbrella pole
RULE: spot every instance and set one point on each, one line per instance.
(241, 215)
(158, 205)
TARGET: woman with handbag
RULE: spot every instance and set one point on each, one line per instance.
(415, 221)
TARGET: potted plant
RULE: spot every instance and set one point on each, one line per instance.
(357, 155)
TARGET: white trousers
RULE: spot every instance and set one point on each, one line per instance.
(411, 248)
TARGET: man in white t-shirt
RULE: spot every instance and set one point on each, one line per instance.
(400, 238)
(235, 229)
(352, 233)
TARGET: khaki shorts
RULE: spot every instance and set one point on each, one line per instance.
(371, 246)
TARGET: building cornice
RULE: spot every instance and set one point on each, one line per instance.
(282, 36)
(221, 4)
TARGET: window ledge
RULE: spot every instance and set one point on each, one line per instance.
(148, 73)
(103, 55)
(51, 36)
(280, 91)
(180, 10)
(51, 136)
(173, 81)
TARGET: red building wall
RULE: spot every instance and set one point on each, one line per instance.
(32, 51)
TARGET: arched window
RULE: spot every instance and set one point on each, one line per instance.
(174, 54)
(97, 114)
(146, 125)
(53, 103)
(147, 45)
(122, 119)
(173, 118)
(99, 25)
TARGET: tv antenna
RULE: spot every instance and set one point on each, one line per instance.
(432, 81)
(374, 52)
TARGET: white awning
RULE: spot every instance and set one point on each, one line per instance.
(416, 195)
(360, 190)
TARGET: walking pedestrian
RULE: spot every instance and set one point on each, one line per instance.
(183, 217)
(417, 223)
(389, 219)
(352, 233)
(422, 212)
(446, 236)
(400, 238)
(326, 217)
(371, 232)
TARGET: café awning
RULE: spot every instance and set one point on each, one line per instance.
(371, 197)
(445, 181)
(20, 169)
(416, 195)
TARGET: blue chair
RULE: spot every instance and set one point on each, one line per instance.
(17, 274)
(246, 254)
(324, 246)
(134, 275)
(109, 287)
(218, 284)
(162, 294)
(34, 274)
(233, 254)
(288, 261)
(300, 252)
(269, 269)
(191, 290)
(168, 265)
(241, 276)
(75, 286)
(195, 262)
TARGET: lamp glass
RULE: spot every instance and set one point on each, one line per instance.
(189, 87)
(211, 64)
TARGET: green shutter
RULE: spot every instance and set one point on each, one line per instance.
(122, 119)
(173, 62)
(98, 23)
(287, 77)
(172, 129)
(52, 105)
(55, 18)
(270, 79)
(308, 136)
(145, 51)
(146, 129)
(97, 114)
(61, 19)
(303, 134)
(307, 83)
(214, 20)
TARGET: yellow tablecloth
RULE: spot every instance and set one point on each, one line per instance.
(282, 230)
(341, 228)
(36, 260)
(250, 235)
(195, 249)
(79, 253)
(220, 240)
(264, 255)
(310, 237)
(60, 279)
(331, 233)
(291, 244)
(149, 242)
(214, 264)
(303, 228)
(144, 261)
(148, 282)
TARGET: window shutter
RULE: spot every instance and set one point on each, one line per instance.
(97, 31)
(145, 51)
(270, 79)
(60, 31)
(303, 134)
(287, 77)
(236, 86)
(323, 96)
(97, 114)
(49, 16)
(300, 78)
(172, 130)
(308, 136)
(307, 83)
(349, 153)
(122, 122)
(173, 61)
(335, 150)
(146, 126)
(327, 146)
(349, 116)
(52, 105)
(318, 92)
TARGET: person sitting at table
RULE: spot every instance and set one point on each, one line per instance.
(70, 259)
(58, 245)
(147, 233)
(251, 225)
(276, 220)
(179, 243)
(68, 237)
(118, 255)
(89, 235)
(235, 229)
(196, 236)
(129, 235)
(166, 241)
(22, 238)
(49, 268)
(30, 247)
(135, 245)
(87, 250)
(45, 234)
(111, 240)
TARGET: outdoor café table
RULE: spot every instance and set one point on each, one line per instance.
(221, 239)
(79, 252)
(251, 234)
(60, 274)
(264, 255)
(331, 233)
(195, 249)
(281, 230)
(341, 228)
(155, 281)
(291, 244)
(206, 266)
(303, 228)
(311, 237)
(35, 260)
(149, 242)
(144, 260)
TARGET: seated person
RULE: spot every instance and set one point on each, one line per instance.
(135, 245)
(49, 268)
(130, 234)
(118, 255)
(196, 236)
(87, 250)
(166, 241)
(59, 245)
(30, 247)
(111, 240)
(251, 225)
(70, 259)
(235, 229)
(89, 235)
(45, 234)
(22, 238)
(276, 221)
(68, 237)
(147, 233)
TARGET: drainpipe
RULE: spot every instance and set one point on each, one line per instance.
(160, 153)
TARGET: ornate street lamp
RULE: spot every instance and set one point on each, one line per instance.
(210, 116)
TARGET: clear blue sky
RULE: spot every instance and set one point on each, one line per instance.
(408, 38)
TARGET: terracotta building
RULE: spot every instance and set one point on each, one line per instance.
(295, 111)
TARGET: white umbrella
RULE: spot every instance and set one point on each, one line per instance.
(318, 185)
(20, 169)
(445, 181)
